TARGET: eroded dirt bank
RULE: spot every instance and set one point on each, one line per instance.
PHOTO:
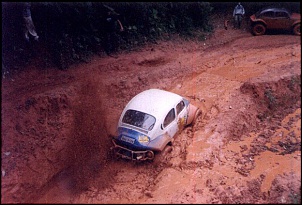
(246, 149)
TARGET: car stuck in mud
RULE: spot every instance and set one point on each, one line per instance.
(246, 147)
(149, 123)
(273, 18)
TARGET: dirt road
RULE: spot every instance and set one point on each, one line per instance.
(245, 149)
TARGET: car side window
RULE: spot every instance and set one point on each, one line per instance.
(180, 106)
(281, 14)
(169, 118)
(268, 14)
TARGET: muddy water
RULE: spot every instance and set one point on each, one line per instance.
(271, 164)
(191, 182)
(178, 184)
(206, 168)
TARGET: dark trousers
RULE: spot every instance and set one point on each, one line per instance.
(111, 42)
(237, 20)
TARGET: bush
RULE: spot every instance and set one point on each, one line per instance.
(72, 32)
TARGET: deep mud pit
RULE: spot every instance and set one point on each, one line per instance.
(246, 148)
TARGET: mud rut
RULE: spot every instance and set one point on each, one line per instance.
(257, 103)
(102, 175)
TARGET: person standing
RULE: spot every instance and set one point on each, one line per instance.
(29, 27)
(111, 24)
(238, 14)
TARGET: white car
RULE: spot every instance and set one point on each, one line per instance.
(149, 123)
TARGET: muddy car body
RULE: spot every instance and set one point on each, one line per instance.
(275, 19)
(149, 123)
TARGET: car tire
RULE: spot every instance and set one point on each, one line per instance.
(197, 114)
(259, 29)
(162, 157)
(296, 29)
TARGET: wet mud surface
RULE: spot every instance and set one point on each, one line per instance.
(244, 148)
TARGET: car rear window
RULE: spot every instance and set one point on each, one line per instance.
(139, 119)
(268, 14)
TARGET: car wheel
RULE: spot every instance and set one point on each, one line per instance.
(259, 29)
(296, 29)
(197, 114)
(162, 156)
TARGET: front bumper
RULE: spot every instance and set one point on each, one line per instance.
(126, 153)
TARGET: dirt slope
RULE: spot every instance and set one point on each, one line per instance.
(246, 148)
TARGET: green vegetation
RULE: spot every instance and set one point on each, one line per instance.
(73, 32)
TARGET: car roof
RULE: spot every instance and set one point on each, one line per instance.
(155, 102)
(274, 9)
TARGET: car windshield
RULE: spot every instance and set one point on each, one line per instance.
(139, 119)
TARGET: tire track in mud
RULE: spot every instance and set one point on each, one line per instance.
(245, 158)
(177, 158)
(137, 189)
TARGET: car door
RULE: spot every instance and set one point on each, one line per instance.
(176, 119)
(282, 20)
(181, 113)
(268, 18)
(170, 123)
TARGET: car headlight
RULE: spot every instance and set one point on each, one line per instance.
(143, 139)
